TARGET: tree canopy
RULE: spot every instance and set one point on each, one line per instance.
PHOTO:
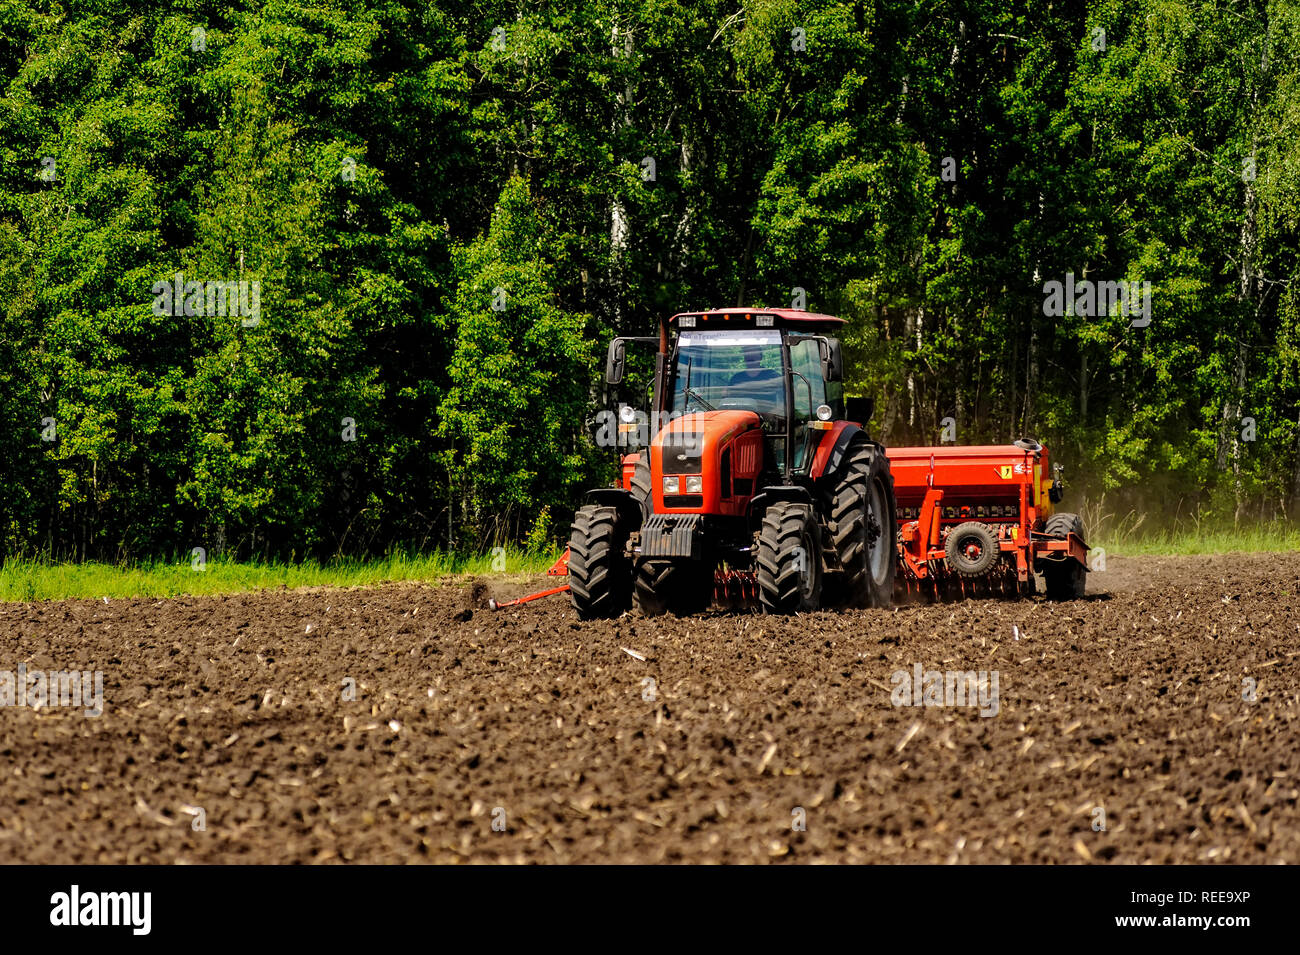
(442, 213)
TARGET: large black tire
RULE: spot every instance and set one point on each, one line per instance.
(642, 489)
(971, 549)
(1060, 524)
(865, 535)
(789, 561)
(679, 587)
(600, 572)
(1066, 579)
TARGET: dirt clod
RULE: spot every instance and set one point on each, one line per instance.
(476, 594)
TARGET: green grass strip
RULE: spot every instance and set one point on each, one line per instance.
(51, 580)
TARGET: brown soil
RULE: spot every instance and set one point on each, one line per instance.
(1130, 701)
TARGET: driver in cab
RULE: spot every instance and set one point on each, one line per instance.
(759, 386)
(752, 370)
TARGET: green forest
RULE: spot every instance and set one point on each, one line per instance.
(307, 279)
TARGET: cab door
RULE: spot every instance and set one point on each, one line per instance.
(809, 392)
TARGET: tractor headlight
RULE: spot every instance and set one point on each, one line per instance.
(695, 484)
(672, 484)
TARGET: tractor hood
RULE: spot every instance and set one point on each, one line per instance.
(714, 446)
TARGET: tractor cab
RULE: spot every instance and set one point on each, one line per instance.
(768, 372)
(783, 366)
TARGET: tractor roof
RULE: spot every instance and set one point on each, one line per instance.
(780, 318)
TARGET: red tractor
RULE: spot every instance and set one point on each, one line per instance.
(754, 481)
(756, 477)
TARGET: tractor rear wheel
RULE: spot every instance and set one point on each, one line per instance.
(600, 573)
(679, 587)
(971, 549)
(865, 537)
(789, 561)
(1065, 579)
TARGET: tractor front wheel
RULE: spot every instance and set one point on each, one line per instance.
(600, 573)
(642, 489)
(789, 559)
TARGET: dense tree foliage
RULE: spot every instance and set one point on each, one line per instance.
(443, 211)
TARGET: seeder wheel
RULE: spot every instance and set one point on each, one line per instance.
(1067, 579)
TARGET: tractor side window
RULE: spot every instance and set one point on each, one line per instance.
(805, 360)
(835, 398)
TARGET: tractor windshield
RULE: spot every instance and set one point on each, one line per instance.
(718, 370)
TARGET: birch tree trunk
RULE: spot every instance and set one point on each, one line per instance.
(620, 230)
(1295, 479)
(1248, 290)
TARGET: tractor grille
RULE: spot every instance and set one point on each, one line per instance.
(747, 456)
(683, 500)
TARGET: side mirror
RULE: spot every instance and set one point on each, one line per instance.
(615, 362)
(832, 356)
(859, 409)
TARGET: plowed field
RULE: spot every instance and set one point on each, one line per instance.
(1125, 729)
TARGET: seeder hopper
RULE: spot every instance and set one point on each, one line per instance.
(979, 521)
